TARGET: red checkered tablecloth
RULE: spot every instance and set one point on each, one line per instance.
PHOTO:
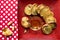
(8, 12)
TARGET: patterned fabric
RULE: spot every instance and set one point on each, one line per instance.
(8, 12)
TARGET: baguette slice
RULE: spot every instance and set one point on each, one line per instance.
(25, 22)
(27, 9)
(40, 7)
(34, 9)
(44, 10)
(50, 19)
(47, 14)
(46, 29)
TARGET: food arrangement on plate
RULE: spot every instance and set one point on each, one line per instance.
(40, 18)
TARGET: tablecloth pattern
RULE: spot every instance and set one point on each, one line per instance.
(8, 12)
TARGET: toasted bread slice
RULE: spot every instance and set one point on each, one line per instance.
(34, 9)
(27, 9)
(25, 22)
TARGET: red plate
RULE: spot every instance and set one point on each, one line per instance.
(31, 35)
